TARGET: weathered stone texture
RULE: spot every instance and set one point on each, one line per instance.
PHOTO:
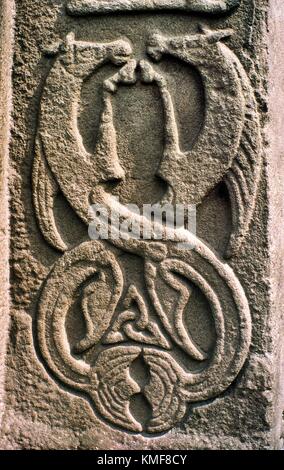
(276, 198)
(6, 29)
(138, 343)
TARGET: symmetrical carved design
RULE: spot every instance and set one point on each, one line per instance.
(108, 382)
(83, 7)
(228, 146)
(119, 327)
(138, 328)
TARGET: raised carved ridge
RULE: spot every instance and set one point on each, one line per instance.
(102, 383)
(241, 170)
(211, 7)
(118, 326)
(232, 151)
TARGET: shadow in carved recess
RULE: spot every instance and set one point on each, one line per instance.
(139, 406)
(180, 282)
(187, 93)
(71, 227)
(139, 123)
(214, 219)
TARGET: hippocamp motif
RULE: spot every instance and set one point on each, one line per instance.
(117, 333)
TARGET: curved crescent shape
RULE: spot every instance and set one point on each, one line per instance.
(229, 144)
(71, 271)
(243, 177)
(176, 328)
(230, 312)
(77, 172)
(192, 174)
(45, 190)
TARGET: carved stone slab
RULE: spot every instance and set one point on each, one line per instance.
(211, 7)
(129, 342)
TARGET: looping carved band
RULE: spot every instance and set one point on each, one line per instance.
(119, 327)
(111, 370)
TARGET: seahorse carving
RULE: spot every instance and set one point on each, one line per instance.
(229, 145)
(75, 62)
(119, 330)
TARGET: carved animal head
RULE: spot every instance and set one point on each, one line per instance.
(196, 47)
(81, 57)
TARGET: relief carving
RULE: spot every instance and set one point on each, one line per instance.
(212, 7)
(122, 323)
(175, 384)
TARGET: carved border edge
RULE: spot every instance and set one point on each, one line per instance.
(85, 7)
(275, 176)
(7, 14)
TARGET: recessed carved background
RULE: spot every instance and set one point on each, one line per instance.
(135, 321)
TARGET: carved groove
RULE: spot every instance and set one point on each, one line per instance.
(120, 332)
(212, 7)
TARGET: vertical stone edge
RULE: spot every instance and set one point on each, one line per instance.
(7, 10)
(275, 169)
